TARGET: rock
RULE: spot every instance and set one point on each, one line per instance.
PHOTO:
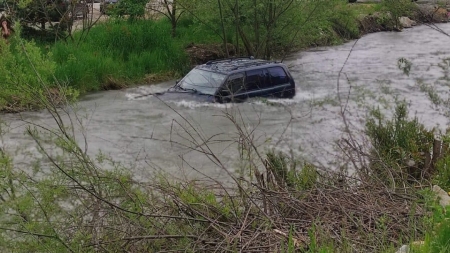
(410, 162)
(405, 22)
(418, 243)
(403, 249)
(444, 199)
(433, 13)
(406, 249)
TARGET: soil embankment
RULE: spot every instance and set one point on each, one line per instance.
(426, 12)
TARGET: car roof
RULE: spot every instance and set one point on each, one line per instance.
(233, 65)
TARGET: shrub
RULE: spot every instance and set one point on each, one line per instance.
(122, 51)
(344, 22)
(287, 174)
(400, 146)
(442, 175)
(26, 71)
(437, 236)
(397, 9)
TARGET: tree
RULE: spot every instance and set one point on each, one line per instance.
(172, 9)
(42, 11)
(261, 27)
(51, 19)
(133, 8)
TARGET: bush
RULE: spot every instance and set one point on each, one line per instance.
(400, 146)
(437, 236)
(344, 22)
(442, 176)
(397, 9)
(26, 72)
(287, 174)
(439, 239)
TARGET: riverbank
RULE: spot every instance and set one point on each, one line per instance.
(422, 13)
(370, 17)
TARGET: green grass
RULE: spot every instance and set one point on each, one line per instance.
(366, 8)
(125, 52)
(437, 236)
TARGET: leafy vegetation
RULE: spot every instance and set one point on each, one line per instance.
(24, 67)
(45, 20)
(438, 238)
(397, 9)
(119, 53)
(401, 145)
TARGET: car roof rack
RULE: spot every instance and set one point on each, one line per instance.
(229, 59)
(232, 64)
(247, 65)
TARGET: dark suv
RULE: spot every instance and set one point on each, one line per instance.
(234, 80)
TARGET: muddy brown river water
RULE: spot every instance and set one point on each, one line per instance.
(148, 135)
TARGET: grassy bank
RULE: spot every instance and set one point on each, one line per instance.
(119, 53)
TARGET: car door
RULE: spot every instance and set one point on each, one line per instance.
(279, 81)
(233, 90)
(256, 82)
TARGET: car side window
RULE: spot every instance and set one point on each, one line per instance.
(256, 79)
(234, 85)
(278, 76)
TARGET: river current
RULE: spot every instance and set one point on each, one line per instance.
(147, 135)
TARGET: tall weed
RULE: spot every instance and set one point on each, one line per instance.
(120, 50)
(400, 146)
(442, 177)
(24, 69)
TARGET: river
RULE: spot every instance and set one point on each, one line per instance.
(148, 135)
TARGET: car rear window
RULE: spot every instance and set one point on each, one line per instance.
(278, 76)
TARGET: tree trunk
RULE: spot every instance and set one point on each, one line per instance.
(236, 20)
(247, 43)
(174, 28)
(223, 29)
(256, 25)
(174, 18)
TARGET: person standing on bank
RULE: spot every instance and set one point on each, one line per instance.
(5, 27)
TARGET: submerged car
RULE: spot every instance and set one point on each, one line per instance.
(233, 80)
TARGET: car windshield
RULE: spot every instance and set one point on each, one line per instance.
(204, 82)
